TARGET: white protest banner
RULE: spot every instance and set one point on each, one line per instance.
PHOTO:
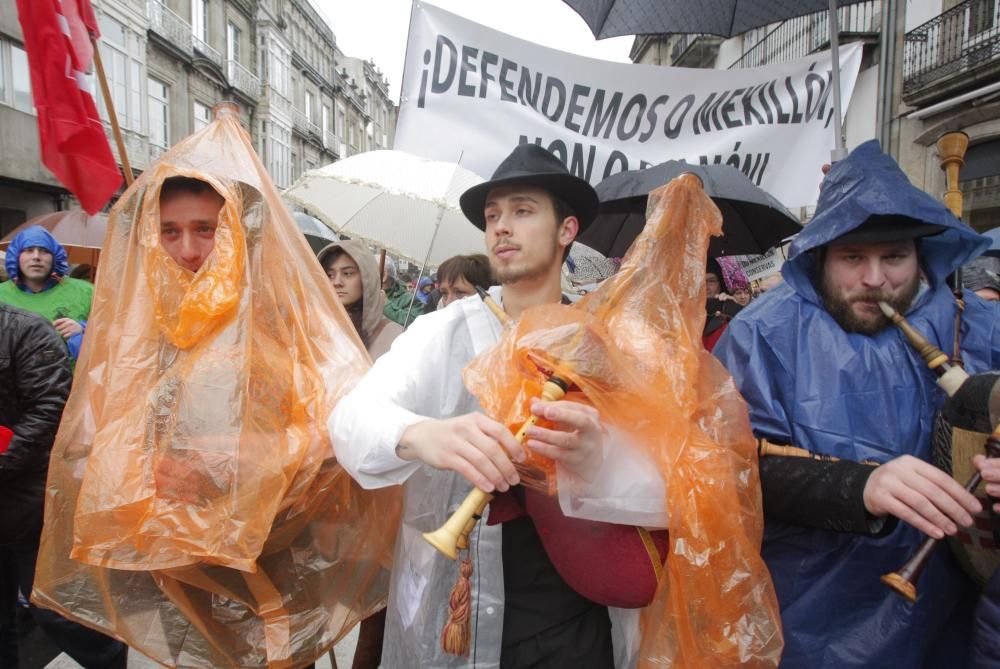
(474, 93)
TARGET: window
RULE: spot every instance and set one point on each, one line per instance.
(159, 114)
(233, 36)
(326, 118)
(279, 153)
(123, 52)
(981, 16)
(199, 19)
(341, 113)
(202, 116)
(309, 106)
(279, 73)
(20, 80)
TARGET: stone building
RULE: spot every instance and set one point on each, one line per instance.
(304, 102)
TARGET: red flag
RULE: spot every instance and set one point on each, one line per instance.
(73, 144)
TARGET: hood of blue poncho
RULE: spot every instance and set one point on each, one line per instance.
(36, 235)
(869, 183)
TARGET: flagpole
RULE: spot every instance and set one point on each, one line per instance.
(110, 106)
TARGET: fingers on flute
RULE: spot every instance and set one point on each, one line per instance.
(485, 453)
(504, 438)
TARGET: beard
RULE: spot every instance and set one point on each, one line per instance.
(528, 269)
(842, 308)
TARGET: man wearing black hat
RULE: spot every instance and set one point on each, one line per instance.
(412, 421)
(823, 369)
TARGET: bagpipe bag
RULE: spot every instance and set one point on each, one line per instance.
(268, 552)
(633, 349)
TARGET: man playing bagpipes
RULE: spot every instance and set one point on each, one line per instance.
(823, 370)
(412, 420)
(194, 508)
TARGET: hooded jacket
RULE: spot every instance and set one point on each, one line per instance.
(811, 384)
(377, 331)
(64, 297)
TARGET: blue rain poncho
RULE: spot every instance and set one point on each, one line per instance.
(811, 384)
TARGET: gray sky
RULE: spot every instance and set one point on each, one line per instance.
(377, 28)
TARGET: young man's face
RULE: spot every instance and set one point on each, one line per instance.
(455, 289)
(523, 237)
(345, 277)
(187, 227)
(856, 276)
(35, 264)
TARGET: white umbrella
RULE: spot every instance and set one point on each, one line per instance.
(403, 203)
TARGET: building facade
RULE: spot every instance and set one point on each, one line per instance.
(928, 68)
(168, 62)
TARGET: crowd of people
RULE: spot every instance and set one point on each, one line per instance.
(819, 364)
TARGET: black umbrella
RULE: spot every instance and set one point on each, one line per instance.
(725, 18)
(316, 232)
(752, 220)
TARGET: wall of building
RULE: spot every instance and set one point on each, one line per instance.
(205, 76)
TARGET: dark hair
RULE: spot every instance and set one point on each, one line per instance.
(473, 268)
(175, 186)
(325, 259)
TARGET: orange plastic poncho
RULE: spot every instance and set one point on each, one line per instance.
(633, 348)
(194, 510)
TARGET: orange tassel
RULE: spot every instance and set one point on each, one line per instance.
(456, 632)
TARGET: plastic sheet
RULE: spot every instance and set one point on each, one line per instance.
(633, 348)
(266, 552)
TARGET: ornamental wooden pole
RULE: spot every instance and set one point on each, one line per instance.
(115, 129)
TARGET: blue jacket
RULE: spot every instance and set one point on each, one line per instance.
(811, 384)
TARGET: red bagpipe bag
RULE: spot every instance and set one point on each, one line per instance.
(194, 509)
(633, 350)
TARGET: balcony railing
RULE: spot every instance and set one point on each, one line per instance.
(279, 103)
(169, 26)
(962, 38)
(802, 35)
(136, 146)
(242, 79)
(302, 123)
(203, 48)
(330, 140)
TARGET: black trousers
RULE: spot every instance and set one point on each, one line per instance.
(583, 642)
(89, 648)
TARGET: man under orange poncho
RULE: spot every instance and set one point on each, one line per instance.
(194, 507)
(632, 349)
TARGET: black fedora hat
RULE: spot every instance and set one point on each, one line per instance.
(532, 165)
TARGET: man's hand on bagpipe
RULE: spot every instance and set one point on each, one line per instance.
(475, 446)
(922, 495)
(576, 440)
(990, 469)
